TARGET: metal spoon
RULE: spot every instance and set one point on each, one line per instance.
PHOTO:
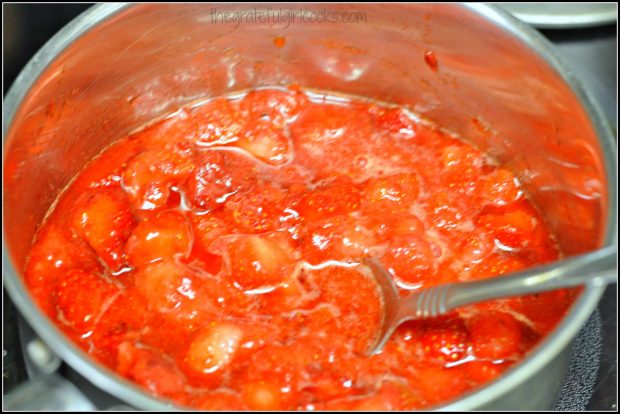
(595, 268)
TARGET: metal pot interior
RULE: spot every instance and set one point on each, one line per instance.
(145, 61)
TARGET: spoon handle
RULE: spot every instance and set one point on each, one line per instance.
(597, 269)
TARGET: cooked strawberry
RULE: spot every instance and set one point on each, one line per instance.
(273, 383)
(214, 348)
(183, 294)
(328, 386)
(277, 107)
(400, 224)
(268, 395)
(439, 384)
(499, 188)
(150, 368)
(516, 229)
(483, 371)
(266, 142)
(391, 395)
(171, 289)
(326, 123)
(461, 162)
(354, 297)
(325, 141)
(257, 210)
(259, 261)
(149, 176)
(341, 197)
(122, 320)
(494, 265)
(444, 339)
(475, 247)
(82, 297)
(495, 335)
(546, 309)
(225, 401)
(294, 292)
(206, 229)
(410, 259)
(447, 213)
(54, 252)
(216, 122)
(397, 121)
(395, 191)
(104, 219)
(165, 235)
(337, 238)
(219, 174)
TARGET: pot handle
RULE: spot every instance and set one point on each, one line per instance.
(48, 392)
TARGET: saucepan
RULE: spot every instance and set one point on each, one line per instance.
(486, 76)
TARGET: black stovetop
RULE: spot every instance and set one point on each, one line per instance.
(591, 53)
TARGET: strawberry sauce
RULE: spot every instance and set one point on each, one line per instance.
(213, 256)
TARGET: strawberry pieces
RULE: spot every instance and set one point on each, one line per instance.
(216, 122)
(266, 142)
(170, 289)
(257, 210)
(499, 188)
(206, 229)
(214, 348)
(277, 107)
(165, 235)
(438, 384)
(410, 259)
(219, 174)
(149, 176)
(444, 339)
(337, 198)
(516, 229)
(103, 218)
(338, 238)
(495, 335)
(395, 191)
(356, 297)
(397, 121)
(185, 295)
(259, 261)
(81, 297)
(150, 368)
(237, 285)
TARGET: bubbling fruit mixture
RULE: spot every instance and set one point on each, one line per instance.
(213, 257)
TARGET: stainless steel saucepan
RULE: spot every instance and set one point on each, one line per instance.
(492, 79)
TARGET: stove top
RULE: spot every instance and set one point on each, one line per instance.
(590, 52)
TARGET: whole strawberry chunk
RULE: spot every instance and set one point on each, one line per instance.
(259, 261)
(495, 335)
(336, 198)
(444, 339)
(104, 219)
(410, 259)
(266, 142)
(219, 174)
(82, 297)
(163, 236)
(149, 176)
(150, 368)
